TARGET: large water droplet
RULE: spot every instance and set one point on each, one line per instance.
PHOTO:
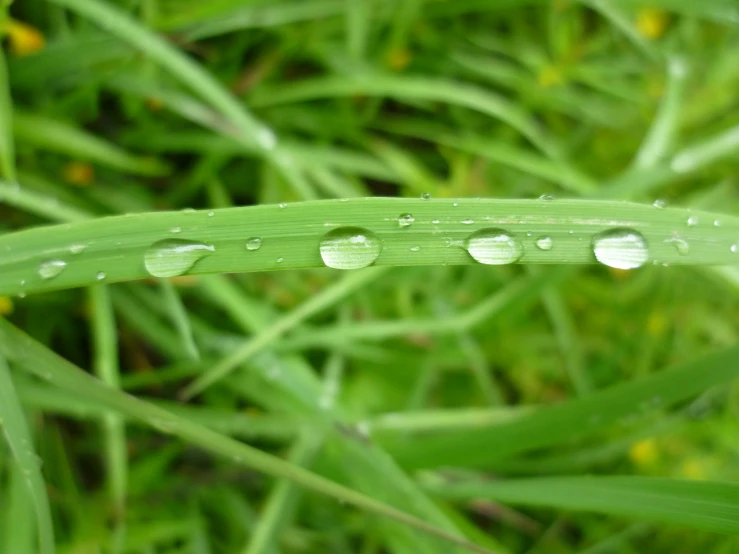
(51, 268)
(621, 248)
(349, 248)
(405, 220)
(494, 247)
(173, 257)
(254, 243)
(544, 243)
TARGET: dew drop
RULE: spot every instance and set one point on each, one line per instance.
(175, 230)
(405, 220)
(716, 223)
(282, 205)
(280, 260)
(211, 213)
(415, 248)
(188, 210)
(692, 221)
(100, 276)
(734, 248)
(435, 221)
(494, 247)
(349, 248)
(659, 203)
(51, 268)
(680, 244)
(544, 243)
(468, 221)
(77, 248)
(173, 257)
(426, 196)
(620, 248)
(455, 204)
(547, 197)
(253, 243)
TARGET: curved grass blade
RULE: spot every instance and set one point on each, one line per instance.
(7, 146)
(291, 235)
(18, 436)
(34, 357)
(711, 506)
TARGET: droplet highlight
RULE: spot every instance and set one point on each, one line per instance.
(51, 268)
(405, 220)
(621, 248)
(349, 248)
(692, 221)
(494, 247)
(173, 257)
(426, 196)
(253, 243)
(544, 243)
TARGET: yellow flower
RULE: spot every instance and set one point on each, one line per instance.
(80, 174)
(398, 59)
(550, 76)
(23, 38)
(651, 22)
(644, 452)
(6, 305)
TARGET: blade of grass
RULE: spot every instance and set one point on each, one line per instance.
(7, 146)
(18, 436)
(47, 207)
(712, 506)
(291, 236)
(571, 419)
(35, 358)
(180, 319)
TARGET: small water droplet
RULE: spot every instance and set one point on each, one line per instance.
(253, 243)
(282, 205)
(211, 213)
(51, 268)
(716, 223)
(547, 197)
(455, 204)
(680, 244)
(415, 248)
(21, 295)
(405, 220)
(349, 248)
(77, 248)
(426, 196)
(494, 247)
(692, 221)
(188, 210)
(620, 248)
(468, 221)
(659, 203)
(544, 243)
(435, 221)
(734, 248)
(173, 257)
(448, 242)
(280, 260)
(175, 230)
(100, 276)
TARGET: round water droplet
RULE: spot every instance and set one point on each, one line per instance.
(254, 243)
(282, 205)
(405, 220)
(734, 248)
(659, 203)
(468, 221)
(544, 243)
(415, 248)
(175, 230)
(100, 276)
(494, 247)
(51, 268)
(455, 204)
(692, 221)
(716, 223)
(280, 260)
(435, 221)
(621, 248)
(211, 213)
(77, 248)
(547, 197)
(188, 210)
(426, 196)
(350, 248)
(680, 244)
(173, 257)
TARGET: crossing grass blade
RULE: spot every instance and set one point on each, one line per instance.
(291, 235)
(712, 506)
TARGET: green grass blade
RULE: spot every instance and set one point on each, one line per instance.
(19, 439)
(180, 318)
(33, 357)
(291, 236)
(572, 419)
(702, 505)
(7, 145)
(49, 134)
(47, 207)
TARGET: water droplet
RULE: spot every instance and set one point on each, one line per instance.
(175, 230)
(547, 197)
(692, 221)
(455, 204)
(77, 248)
(435, 221)
(188, 210)
(426, 196)
(734, 248)
(405, 220)
(716, 223)
(254, 243)
(100, 276)
(544, 243)
(173, 257)
(282, 205)
(448, 242)
(415, 248)
(681, 245)
(211, 213)
(620, 248)
(280, 260)
(51, 268)
(350, 248)
(468, 221)
(494, 247)
(659, 203)
(21, 295)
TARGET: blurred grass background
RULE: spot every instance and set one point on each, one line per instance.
(456, 98)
